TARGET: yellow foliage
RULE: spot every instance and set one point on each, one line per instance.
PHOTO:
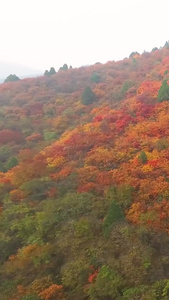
(147, 168)
(152, 155)
(55, 162)
(87, 127)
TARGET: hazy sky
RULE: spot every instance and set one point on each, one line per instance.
(45, 33)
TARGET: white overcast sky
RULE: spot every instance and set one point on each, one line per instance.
(45, 33)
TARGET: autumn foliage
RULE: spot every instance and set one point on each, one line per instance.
(84, 182)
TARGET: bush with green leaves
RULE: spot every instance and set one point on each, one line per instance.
(30, 297)
(108, 285)
(50, 135)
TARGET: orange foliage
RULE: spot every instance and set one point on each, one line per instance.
(53, 292)
(5, 177)
(16, 195)
(65, 171)
(87, 187)
(150, 88)
(34, 137)
(92, 277)
(28, 170)
(104, 145)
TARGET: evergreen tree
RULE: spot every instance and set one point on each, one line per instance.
(143, 157)
(47, 73)
(95, 77)
(115, 214)
(88, 96)
(64, 68)
(52, 71)
(133, 54)
(166, 44)
(163, 93)
(154, 49)
(12, 78)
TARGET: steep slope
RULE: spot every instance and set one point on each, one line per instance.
(85, 188)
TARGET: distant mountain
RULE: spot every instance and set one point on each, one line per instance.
(7, 68)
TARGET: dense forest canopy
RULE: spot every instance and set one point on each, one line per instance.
(84, 182)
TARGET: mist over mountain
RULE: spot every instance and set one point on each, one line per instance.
(7, 68)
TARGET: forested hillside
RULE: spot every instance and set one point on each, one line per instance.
(84, 182)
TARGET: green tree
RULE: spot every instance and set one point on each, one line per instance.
(64, 68)
(115, 214)
(122, 194)
(52, 71)
(47, 73)
(2, 168)
(162, 144)
(166, 44)
(30, 297)
(133, 54)
(12, 77)
(108, 285)
(50, 135)
(36, 187)
(142, 157)
(154, 49)
(88, 96)
(125, 87)
(163, 93)
(138, 292)
(12, 162)
(95, 78)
